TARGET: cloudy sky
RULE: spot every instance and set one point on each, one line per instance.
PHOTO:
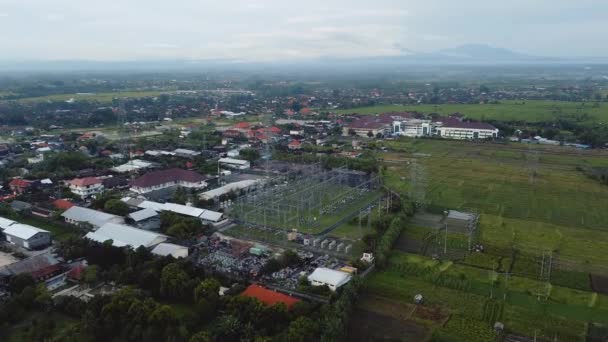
(280, 29)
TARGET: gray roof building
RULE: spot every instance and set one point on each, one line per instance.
(126, 236)
(77, 215)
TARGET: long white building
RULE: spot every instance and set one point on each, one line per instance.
(449, 128)
(465, 130)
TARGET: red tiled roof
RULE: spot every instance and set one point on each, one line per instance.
(242, 125)
(76, 272)
(85, 181)
(167, 176)
(20, 183)
(382, 120)
(269, 297)
(63, 204)
(231, 133)
(45, 271)
(295, 143)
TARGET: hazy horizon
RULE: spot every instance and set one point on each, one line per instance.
(257, 30)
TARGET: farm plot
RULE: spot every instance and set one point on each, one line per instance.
(525, 111)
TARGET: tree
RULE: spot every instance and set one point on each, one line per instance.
(19, 282)
(180, 196)
(370, 134)
(116, 207)
(173, 281)
(303, 329)
(201, 336)
(228, 328)
(207, 289)
(90, 274)
(206, 297)
(249, 154)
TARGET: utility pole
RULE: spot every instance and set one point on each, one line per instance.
(445, 240)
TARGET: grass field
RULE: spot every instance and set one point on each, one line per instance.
(463, 291)
(100, 97)
(528, 111)
(531, 200)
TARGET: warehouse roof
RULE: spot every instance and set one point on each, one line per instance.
(23, 231)
(123, 235)
(459, 215)
(233, 161)
(5, 223)
(165, 249)
(204, 214)
(235, 186)
(132, 165)
(143, 214)
(269, 297)
(151, 179)
(94, 217)
(29, 265)
(329, 276)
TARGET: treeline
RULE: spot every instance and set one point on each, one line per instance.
(162, 300)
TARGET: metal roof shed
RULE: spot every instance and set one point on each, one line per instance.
(123, 235)
(326, 276)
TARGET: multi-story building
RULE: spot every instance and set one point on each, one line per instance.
(412, 128)
(452, 128)
(86, 187)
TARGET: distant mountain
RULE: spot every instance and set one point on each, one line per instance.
(485, 52)
(464, 55)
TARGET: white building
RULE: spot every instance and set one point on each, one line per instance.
(326, 276)
(26, 236)
(234, 163)
(86, 187)
(465, 130)
(412, 128)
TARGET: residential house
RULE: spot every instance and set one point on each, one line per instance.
(86, 187)
(19, 186)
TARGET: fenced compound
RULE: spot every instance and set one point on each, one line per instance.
(310, 201)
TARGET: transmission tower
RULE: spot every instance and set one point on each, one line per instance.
(544, 276)
(418, 184)
(267, 155)
(123, 130)
(532, 158)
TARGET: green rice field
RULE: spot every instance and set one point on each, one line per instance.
(533, 202)
(528, 111)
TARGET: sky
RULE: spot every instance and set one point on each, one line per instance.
(267, 30)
